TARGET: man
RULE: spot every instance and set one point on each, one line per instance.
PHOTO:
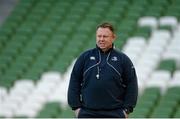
(103, 82)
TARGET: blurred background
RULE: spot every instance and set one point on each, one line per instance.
(40, 40)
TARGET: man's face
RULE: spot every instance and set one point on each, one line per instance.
(104, 38)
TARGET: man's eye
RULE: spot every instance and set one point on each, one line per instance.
(105, 36)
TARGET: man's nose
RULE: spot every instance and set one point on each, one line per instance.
(101, 38)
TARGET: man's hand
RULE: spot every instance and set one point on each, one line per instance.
(126, 115)
(77, 112)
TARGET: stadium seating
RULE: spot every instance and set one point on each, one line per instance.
(40, 41)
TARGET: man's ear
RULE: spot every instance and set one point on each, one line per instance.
(114, 37)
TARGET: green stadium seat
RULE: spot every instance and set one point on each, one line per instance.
(153, 13)
(62, 62)
(90, 44)
(32, 52)
(66, 113)
(25, 59)
(3, 68)
(119, 43)
(121, 3)
(34, 18)
(50, 110)
(7, 80)
(3, 39)
(25, 30)
(20, 41)
(166, 27)
(169, 65)
(115, 16)
(141, 3)
(6, 84)
(173, 10)
(143, 32)
(163, 3)
(7, 30)
(142, 112)
(43, 60)
(177, 113)
(96, 10)
(63, 4)
(162, 112)
(15, 18)
(92, 17)
(33, 74)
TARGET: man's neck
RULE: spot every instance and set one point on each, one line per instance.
(106, 49)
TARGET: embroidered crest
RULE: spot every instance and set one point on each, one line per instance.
(92, 58)
(114, 58)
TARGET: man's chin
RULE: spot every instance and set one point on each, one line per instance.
(102, 48)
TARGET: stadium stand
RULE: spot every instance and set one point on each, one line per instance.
(40, 40)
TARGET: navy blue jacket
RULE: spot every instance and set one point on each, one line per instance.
(103, 81)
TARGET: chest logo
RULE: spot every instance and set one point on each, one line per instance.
(92, 58)
(114, 58)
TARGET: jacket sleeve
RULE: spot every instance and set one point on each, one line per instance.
(74, 89)
(130, 79)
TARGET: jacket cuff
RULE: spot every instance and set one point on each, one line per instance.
(128, 110)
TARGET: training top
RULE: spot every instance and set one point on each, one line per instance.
(103, 81)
